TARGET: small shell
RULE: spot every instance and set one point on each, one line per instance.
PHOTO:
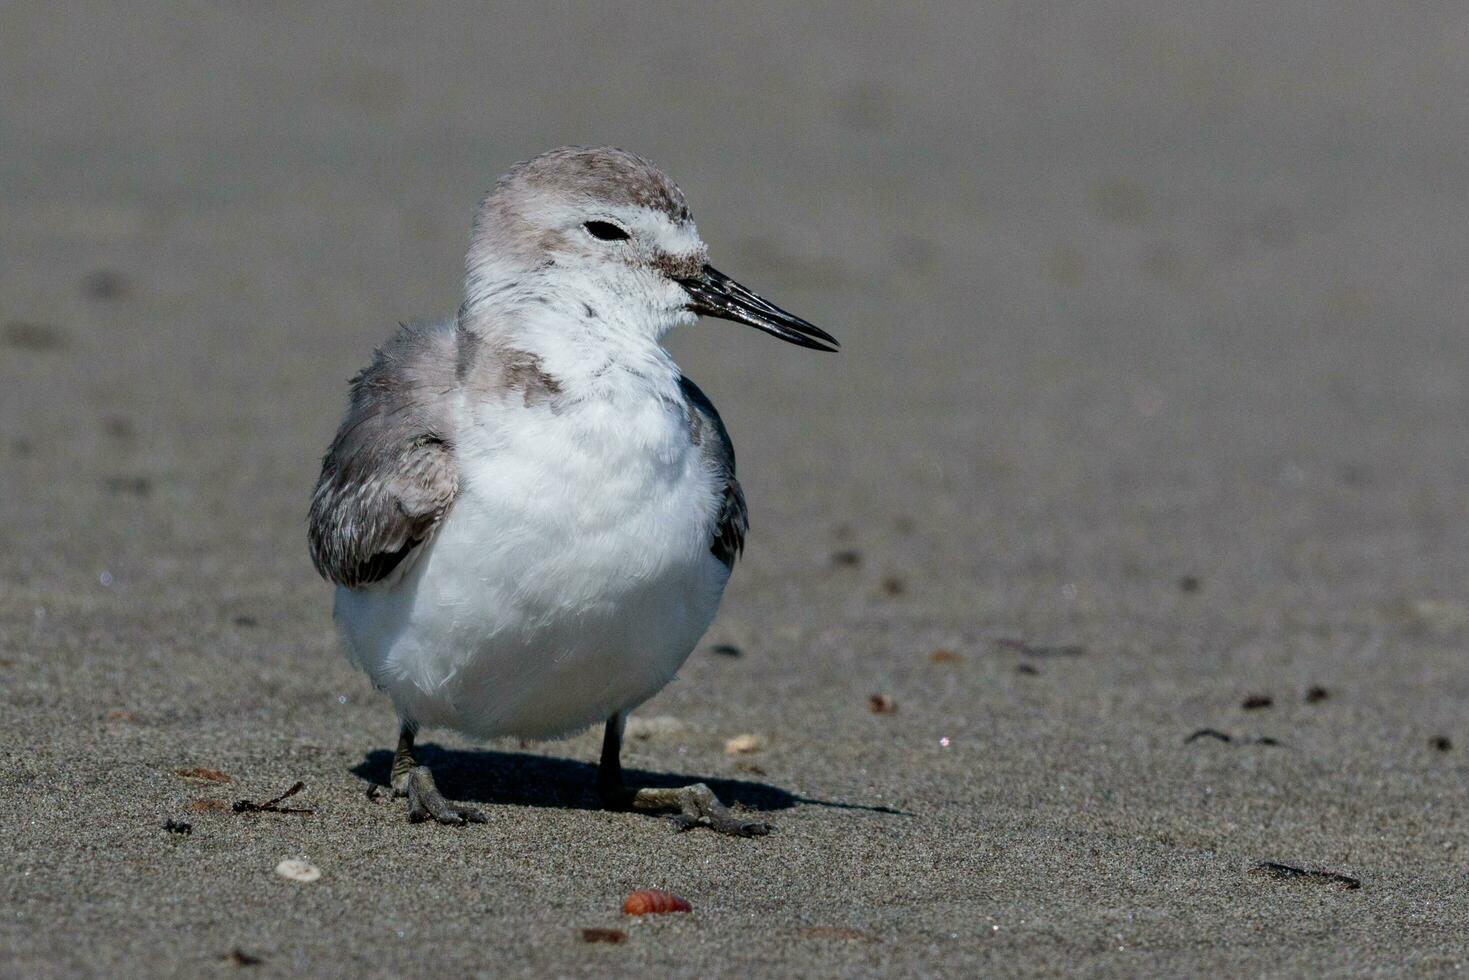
(650, 901)
(742, 744)
(297, 870)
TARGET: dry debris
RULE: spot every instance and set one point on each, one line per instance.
(744, 744)
(207, 775)
(1286, 872)
(273, 806)
(1038, 650)
(1219, 736)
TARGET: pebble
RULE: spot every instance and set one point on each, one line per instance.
(744, 744)
(295, 869)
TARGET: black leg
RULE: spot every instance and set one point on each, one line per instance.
(610, 785)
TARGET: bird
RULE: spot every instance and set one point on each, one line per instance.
(529, 513)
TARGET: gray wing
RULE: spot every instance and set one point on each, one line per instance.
(728, 539)
(390, 474)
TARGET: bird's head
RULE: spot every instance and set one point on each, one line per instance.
(606, 237)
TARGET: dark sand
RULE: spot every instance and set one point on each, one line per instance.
(1155, 349)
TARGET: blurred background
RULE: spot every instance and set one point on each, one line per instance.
(1152, 400)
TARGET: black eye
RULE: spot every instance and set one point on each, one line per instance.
(606, 231)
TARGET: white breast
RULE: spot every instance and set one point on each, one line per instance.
(570, 579)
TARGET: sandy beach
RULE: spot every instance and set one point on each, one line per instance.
(1137, 495)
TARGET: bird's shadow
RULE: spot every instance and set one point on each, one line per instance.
(521, 779)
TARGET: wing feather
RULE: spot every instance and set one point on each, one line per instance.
(390, 474)
(727, 540)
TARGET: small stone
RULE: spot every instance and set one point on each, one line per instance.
(1190, 583)
(744, 744)
(613, 936)
(881, 704)
(1257, 701)
(294, 869)
(848, 557)
(654, 901)
(894, 586)
(1316, 694)
(1441, 743)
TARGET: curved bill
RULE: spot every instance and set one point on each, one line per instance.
(712, 293)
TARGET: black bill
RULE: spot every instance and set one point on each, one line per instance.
(712, 293)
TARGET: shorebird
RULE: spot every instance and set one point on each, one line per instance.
(529, 512)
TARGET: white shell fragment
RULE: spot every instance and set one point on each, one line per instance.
(297, 870)
(743, 744)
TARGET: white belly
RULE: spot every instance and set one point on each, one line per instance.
(569, 581)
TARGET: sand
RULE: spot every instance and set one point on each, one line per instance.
(1152, 401)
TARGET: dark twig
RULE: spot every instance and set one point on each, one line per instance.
(273, 806)
(1286, 872)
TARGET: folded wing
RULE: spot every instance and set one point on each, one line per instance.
(390, 474)
(728, 535)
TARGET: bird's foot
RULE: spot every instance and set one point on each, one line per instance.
(697, 806)
(425, 802)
